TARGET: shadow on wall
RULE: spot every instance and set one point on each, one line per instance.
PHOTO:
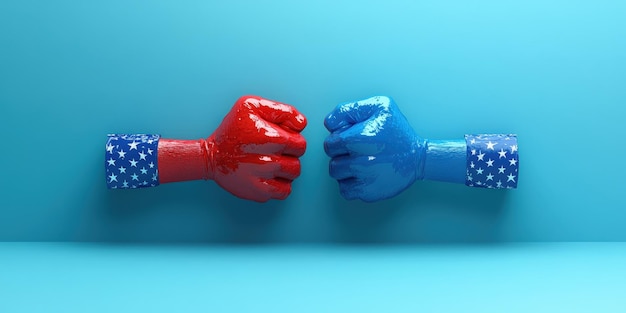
(202, 213)
(425, 213)
(189, 213)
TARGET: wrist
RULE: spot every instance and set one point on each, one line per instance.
(420, 155)
(184, 160)
(445, 160)
(210, 148)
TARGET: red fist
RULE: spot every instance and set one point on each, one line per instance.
(256, 148)
(253, 154)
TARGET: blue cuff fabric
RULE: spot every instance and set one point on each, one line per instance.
(492, 161)
(131, 161)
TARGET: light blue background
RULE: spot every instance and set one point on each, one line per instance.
(516, 278)
(554, 72)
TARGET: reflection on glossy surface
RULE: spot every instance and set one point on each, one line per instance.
(256, 148)
(375, 152)
(253, 154)
(445, 160)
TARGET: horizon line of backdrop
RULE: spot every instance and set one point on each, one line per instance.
(553, 72)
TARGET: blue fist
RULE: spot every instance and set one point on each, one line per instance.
(375, 154)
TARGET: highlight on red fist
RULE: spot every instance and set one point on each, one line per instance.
(253, 154)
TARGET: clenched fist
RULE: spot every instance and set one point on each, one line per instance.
(253, 154)
(375, 153)
(256, 148)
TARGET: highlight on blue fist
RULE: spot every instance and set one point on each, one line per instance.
(375, 153)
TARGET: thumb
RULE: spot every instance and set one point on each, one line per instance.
(350, 113)
(283, 115)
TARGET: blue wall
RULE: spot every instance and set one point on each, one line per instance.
(554, 72)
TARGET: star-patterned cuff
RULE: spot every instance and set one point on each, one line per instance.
(492, 161)
(131, 161)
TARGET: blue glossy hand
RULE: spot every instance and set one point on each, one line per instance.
(375, 152)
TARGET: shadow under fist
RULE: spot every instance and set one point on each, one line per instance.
(375, 154)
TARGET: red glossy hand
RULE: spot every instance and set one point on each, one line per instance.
(254, 153)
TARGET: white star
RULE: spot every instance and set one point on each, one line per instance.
(133, 163)
(122, 169)
(502, 153)
(513, 148)
(510, 177)
(151, 165)
(145, 183)
(125, 184)
(473, 141)
(150, 141)
(479, 183)
(150, 151)
(507, 138)
(112, 178)
(513, 162)
(472, 165)
(489, 177)
(154, 176)
(481, 156)
(122, 154)
(109, 148)
(491, 144)
(144, 170)
(142, 156)
(135, 177)
(110, 161)
(490, 163)
(133, 145)
(479, 171)
(499, 184)
(470, 178)
(501, 169)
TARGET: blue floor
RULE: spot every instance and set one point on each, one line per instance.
(565, 277)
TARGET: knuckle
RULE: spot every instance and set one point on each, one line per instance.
(248, 101)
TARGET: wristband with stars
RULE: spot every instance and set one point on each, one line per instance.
(484, 161)
(131, 161)
(492, 161)
(141, 160)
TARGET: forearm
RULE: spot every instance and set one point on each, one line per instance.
(445, 160)
(488, 161)
(140, 160)
(183, 160)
